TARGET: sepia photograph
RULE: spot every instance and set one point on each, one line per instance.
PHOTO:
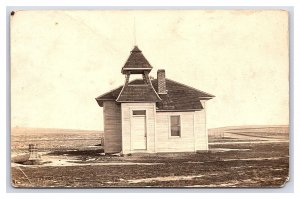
(149, 98)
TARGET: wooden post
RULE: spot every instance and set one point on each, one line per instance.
(33, 154)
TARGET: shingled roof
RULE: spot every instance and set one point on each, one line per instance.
(136, 62)
(179, 96)
(138, 93)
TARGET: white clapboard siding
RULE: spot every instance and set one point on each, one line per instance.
(192, 132)
(118, 126)
(127, 108)
(201, 139)
(112, 127)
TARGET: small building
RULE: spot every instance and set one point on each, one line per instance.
(153, 115)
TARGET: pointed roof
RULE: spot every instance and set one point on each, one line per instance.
(136, 49)
(136, 62)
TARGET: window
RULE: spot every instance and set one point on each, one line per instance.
(139, 112)
(175, 125)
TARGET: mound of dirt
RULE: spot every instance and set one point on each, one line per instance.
(20, 159)
(24, 160)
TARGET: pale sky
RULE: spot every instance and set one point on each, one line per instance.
(62, 60)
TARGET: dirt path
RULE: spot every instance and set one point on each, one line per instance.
(250, 142)
(61, 161)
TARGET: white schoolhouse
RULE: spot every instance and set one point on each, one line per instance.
(153, 115)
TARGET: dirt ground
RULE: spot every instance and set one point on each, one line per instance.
(239, 162)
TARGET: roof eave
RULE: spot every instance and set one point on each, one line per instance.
(100, 101)
(178, 110)
(99, 97)
(136, 101)
(132, 70)
(206, 98)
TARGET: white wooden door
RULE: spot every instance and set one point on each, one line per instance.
(138, 132)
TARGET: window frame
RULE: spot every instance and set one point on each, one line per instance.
(170, 127)
(139, 115)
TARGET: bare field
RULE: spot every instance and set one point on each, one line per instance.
(249, 134)
(52, 139)
(234, 160)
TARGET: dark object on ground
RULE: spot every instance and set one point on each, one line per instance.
(78, 152)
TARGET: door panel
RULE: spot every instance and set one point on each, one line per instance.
(138, 132)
